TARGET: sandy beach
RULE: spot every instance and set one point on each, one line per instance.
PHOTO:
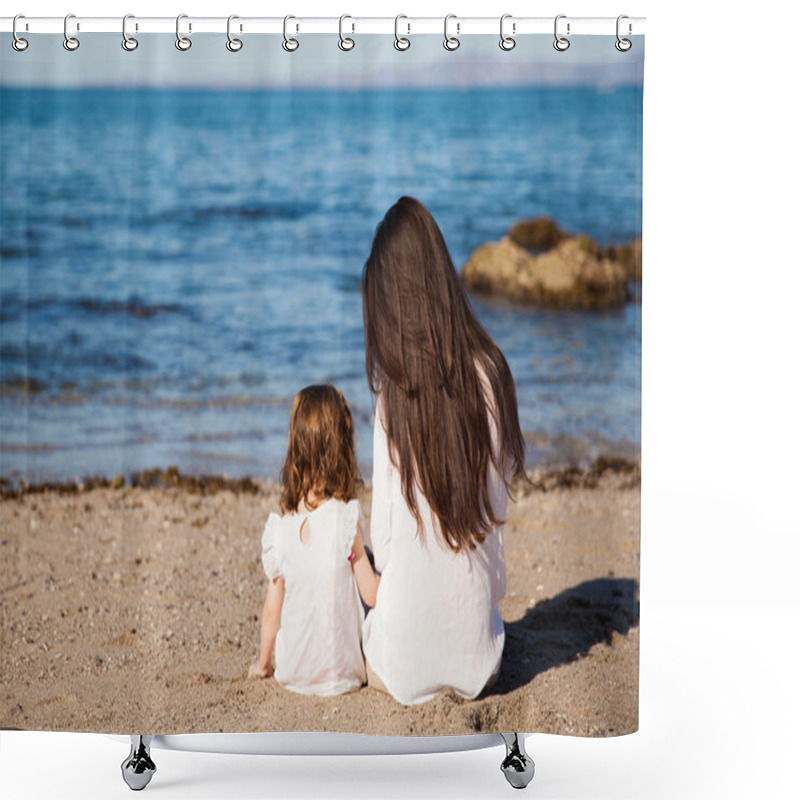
(135, 609)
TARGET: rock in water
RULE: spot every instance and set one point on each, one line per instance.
(541, 233)
(629, 256)
(573, 274)
(498, 268)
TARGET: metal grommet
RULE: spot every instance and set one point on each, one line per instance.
(451, 42)
(289, 45)
(561, 43)
(400, 42)
(181, 42)
(233, 44)
(506, 42)
(18, 43)
(70, 42)
(623, 45)
(128, 42)
(345, 42)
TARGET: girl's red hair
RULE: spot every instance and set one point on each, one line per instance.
(320, 457)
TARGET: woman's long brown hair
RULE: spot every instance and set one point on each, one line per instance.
(425, 354)
(320, 456)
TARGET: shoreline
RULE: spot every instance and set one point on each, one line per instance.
(541, 479)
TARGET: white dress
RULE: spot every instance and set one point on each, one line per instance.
(436, 621)
(318, 647)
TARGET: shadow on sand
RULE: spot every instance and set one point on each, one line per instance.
(559, 630)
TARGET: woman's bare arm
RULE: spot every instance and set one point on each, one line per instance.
(366, 579)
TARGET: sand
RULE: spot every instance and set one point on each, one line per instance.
(136, 610)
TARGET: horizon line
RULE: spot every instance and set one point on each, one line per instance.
(227, 87)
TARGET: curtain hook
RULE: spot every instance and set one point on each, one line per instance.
(561, 43)
(233, 44)
(70, 42)
(289, 45)
(507, 42)
(400, 42)
(451, 42)
(623, 45)
(18, 43)
(128, 42)
(181, 42)
(345, 42)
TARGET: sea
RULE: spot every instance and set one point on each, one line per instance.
(176, 264)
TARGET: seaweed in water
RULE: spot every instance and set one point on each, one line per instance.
(169, 478)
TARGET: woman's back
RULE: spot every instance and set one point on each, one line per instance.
(436, 622)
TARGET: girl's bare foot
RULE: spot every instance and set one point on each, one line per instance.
(257, 671)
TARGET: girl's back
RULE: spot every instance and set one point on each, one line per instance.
(318, 647)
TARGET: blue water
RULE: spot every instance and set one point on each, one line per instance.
(175, 265)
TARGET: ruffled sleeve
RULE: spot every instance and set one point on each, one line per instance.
(269, 553)
(351, 515)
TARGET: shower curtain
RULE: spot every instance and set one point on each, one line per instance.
(183, 235)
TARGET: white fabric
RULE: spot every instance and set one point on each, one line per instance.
(318, 647)
(436, 621)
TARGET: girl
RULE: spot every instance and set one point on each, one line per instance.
(314, 556)
(447, 445)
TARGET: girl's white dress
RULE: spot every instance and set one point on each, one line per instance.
(318, 647)
(436, 622)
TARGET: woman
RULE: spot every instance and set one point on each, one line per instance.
(447, 445)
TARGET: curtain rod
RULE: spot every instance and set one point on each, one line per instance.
(459, 26)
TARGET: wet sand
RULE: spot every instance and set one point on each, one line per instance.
(136, 609)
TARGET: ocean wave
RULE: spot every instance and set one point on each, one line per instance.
(32, 447)
(226, 436)
(62, 394)
(12, 251)
(558, 450)
(230, 401)
(245, 211)
(21, 385)
(13, 306)
(133, 306)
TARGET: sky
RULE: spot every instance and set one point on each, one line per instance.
(318, 63)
